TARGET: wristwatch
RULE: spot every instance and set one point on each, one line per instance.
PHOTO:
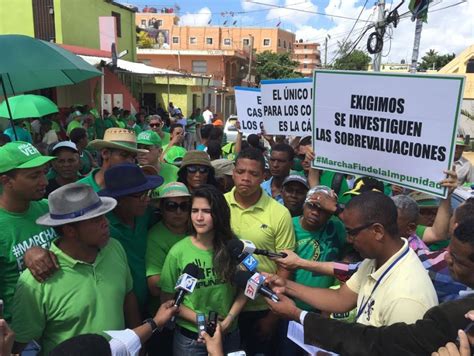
(339, 209)
(152, 323)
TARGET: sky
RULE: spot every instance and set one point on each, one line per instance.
(450, 27)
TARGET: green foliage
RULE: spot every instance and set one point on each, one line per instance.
(432, 60)
(270, 65)
(357, 60)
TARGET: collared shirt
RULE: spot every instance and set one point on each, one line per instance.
(79, 298)
(464, 171)
(404, 292)
(445, 286)
(267, 187)
(90, 180)
(134, 242)
(268, 225)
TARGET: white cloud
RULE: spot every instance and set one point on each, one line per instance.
(448, 30)
(250, 6)
(294, 17)
(200, 19)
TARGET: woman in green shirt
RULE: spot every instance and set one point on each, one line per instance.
(210, 217)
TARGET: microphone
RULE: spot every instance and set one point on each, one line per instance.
(246, 246)
(186, 283)
(252, 283)
(246, 261)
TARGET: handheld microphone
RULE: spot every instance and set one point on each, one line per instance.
(246, 246)
(252, 283)
(186, 283)
(246, 261)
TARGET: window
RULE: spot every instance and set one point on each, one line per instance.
(227, 42)
(284, 44)
(305, 66)
(304, 46)
(159, 23)
(151, 22)
(289, 45)
(175, 39)
(305, 56)
(279, 42)
(192, 40)
(266, 42)
(144, 23)
(209, 40)
(199, 66)
(118, 22)
(246, 42)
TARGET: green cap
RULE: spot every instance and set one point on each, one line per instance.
(149, 138)
(17, 155)
(175, 155)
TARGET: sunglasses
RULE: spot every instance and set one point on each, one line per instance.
(200, 169)
(142, 195)
(172, 206)
(356, 231)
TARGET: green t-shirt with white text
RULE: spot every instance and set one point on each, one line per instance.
(19, 232)
(211, 292)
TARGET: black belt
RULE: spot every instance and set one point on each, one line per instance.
(188, 333)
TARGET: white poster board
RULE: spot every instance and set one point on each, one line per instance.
(287, 106)
(249, 109)
(400, 128)
(296, 334)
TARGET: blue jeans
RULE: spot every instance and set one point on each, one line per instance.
(185, 346)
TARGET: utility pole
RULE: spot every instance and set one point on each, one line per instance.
(249, 74)
(380, 28)
(325, 51)
(416, 45)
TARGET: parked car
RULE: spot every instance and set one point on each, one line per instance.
(230, 130)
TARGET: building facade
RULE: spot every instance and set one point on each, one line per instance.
(308, 55)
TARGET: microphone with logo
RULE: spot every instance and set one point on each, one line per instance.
(245, 260)
(245, 246)
(252, 284)
(185, 284)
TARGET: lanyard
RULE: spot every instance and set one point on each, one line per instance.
(364, 305)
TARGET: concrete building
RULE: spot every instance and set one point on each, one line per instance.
(308, 55)
(222, 53)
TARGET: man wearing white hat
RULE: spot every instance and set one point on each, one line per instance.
(91, 291)
(462, 165)
(118, 146)
(65, 168)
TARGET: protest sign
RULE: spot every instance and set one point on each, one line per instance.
(249, 109)
(287, 106)
(399, 128)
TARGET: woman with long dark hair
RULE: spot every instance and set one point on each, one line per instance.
(210, 219)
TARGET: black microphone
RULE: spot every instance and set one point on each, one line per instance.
(245, 246)
(252, 283)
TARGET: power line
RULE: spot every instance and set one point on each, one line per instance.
(301, 10)
(355, 23)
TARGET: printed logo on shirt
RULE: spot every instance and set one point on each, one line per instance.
(43, 239)
(207, 275)
(369, 309)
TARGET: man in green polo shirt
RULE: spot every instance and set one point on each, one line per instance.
(23, 185)
(118, 146)
(257, 217)
(149, 140)
(91, 292)
(131, 218)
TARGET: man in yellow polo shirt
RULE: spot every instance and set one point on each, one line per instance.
(92, 290)
(257, 217)
(391, 284)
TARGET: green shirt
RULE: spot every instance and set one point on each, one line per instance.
(326, 179)
(169, 173)
(19, 232)
(89, 180)
(210, 294)
(324, 245)
(166, 138)
(268, 225)
(134, 241)
(160, 241)
(79, 298)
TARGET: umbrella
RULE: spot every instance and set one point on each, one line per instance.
(28, 64)
(25, 106)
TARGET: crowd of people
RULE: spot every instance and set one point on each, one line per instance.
(102, 215)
